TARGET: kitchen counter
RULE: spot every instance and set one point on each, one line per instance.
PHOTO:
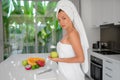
(12, 69)
(109, 68)
(115, 57)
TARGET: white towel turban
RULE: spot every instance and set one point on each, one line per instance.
(69, 8)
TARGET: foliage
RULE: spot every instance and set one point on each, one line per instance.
(24, 16)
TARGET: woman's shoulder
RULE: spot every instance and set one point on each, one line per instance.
(74, 34)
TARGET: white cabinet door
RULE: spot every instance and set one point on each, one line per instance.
(111, 70)
(108, 69)
(105, 12)
(110, 11)
(102, 12)
(96, 15)
(117, 71)
(117, 11)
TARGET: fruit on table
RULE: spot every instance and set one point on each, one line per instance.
(37, 58)
(28, 67)
(33, 67)
(40, 63)
(53, 54)
(24, 62)
(37, 66)
(33, 63)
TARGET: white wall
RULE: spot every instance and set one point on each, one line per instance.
(1, 34)
(93, 33)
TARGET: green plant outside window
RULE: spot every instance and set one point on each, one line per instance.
(29, 26)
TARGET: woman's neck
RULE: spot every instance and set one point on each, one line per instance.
(70, 29)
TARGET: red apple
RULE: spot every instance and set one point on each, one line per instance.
(41, 63)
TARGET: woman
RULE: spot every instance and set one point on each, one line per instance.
(72, 48)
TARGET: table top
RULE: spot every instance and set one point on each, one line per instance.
(12, 69)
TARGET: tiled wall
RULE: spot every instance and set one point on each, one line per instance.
(1, 33)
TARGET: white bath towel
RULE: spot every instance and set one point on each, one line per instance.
(69, 8)
(72, 71)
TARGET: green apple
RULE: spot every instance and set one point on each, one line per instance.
(53, 54)
(33, 67)
(37, 66)
(24, 62)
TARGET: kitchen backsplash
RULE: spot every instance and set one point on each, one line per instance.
(110, 34)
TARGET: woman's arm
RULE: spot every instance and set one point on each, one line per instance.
(74, 40)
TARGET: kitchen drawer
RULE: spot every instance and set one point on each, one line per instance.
(108, 71)
(108, 64)
(107, 76)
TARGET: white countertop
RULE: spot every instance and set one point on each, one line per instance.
(115, 57)
(12, 69)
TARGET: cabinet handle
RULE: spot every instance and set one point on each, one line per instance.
(108, 61)
(108, 68)
(108, 75)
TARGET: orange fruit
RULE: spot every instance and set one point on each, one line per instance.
(32, 61)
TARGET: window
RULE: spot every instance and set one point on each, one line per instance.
(30, 26)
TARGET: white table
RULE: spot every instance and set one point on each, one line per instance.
(12, 69)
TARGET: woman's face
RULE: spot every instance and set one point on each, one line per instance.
(64, 20)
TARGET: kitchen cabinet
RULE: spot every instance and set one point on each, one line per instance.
(110, 70)
(96, 12)
(110, 66)
(117, 11)
(105, 12)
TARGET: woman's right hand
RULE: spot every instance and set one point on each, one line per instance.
(54, 59)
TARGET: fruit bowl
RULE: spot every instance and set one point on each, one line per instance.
(33, 63)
